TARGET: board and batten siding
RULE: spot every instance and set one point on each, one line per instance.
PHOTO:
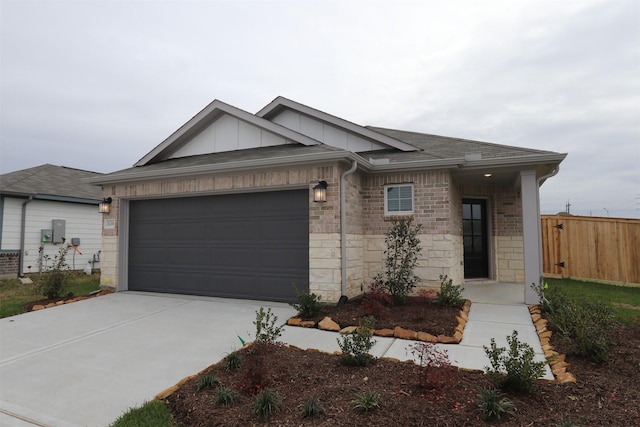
(82, 221)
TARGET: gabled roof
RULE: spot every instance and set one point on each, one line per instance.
(205, 117)
(51, 181)
(281, 103)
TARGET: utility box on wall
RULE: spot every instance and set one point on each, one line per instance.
(46, 235)
(58, 227)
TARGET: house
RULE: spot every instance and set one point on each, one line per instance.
(43, 207)
(225, 206)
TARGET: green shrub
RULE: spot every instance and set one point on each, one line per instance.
(355, 347)
(583, 324)
(313, 408)
(266, 330)
(516, 370)
(206, 382)
(308, 305)
(493, 404)
(226, 396)
(232, 362)
(401, 257)
(55, 277)
(366, 401)
(449, 295)
(265, 404)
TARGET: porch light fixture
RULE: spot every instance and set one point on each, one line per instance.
(488, 175)
(105, 205)
(320, 192)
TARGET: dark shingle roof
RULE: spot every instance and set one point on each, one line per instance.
(51, 180)
(444, 147)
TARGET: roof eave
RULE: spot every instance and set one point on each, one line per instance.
(519, 161)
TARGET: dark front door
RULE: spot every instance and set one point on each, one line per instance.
(474, 232)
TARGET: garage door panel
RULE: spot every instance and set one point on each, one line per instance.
(242, 245)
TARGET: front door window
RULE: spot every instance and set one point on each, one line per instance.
(474, 234)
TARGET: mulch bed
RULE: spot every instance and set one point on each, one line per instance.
(48, 303)
(604, 395)
(418, 314)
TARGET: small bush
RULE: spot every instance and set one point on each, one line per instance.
(308, 305)
(313, 408)
(226, 396)
(206, 382)
(401, 257)
(355, 347)
(265, 404)
(232, 362)
(434, 367)
(266, 330)
(584, 325)
(376, 301)
(366, 401)
(449, 294)
(493, 404)
(516, 370)
(56, 276)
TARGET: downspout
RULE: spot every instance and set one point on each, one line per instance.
(539, 183)
(22, 233)
(343, 228)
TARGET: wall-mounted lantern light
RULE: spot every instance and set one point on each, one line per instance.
(105, 205)
(320, 192)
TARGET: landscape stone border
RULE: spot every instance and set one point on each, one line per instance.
(70, 300)
(327, 324)
(556, 360)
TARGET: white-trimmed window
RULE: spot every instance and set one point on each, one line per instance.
(398, 199)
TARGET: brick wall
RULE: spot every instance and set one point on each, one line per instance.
(9, 262)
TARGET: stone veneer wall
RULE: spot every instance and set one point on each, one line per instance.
(324, 219)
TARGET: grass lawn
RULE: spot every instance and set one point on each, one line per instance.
(625, 301)
(150, 414)
(13, 294)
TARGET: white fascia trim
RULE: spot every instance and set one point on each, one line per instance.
(533, 159)
(216, 108)
(337, 121)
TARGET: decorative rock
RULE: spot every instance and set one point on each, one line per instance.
(294, 321)
(545, 334)
(51, 304)
(461, 321)
(59, 302)
(383, 332)
(327, 324)
(308, 324)
(459, 328)
(405, 334)
(464, 315)
(557, 370)
(348, 330)
(37, 307)
(535, 317)
(446, 340)
(424, 336)
(458, 336)
(401, 333)
(566, 378)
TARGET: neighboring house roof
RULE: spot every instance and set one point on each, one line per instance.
(51, 182)
(303, 135)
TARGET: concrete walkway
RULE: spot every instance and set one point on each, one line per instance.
(86, 363)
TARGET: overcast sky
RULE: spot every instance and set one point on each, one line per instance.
(97, 84)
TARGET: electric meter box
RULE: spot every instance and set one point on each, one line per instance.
(46, 235)
(59, 226)
(75, 241)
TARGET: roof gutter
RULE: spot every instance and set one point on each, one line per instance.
(23, 229)
(343, 228)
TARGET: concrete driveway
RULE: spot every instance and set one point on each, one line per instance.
(84, 364)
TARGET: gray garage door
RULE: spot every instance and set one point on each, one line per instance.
(252, 245)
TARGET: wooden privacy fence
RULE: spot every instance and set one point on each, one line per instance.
(594, 248)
